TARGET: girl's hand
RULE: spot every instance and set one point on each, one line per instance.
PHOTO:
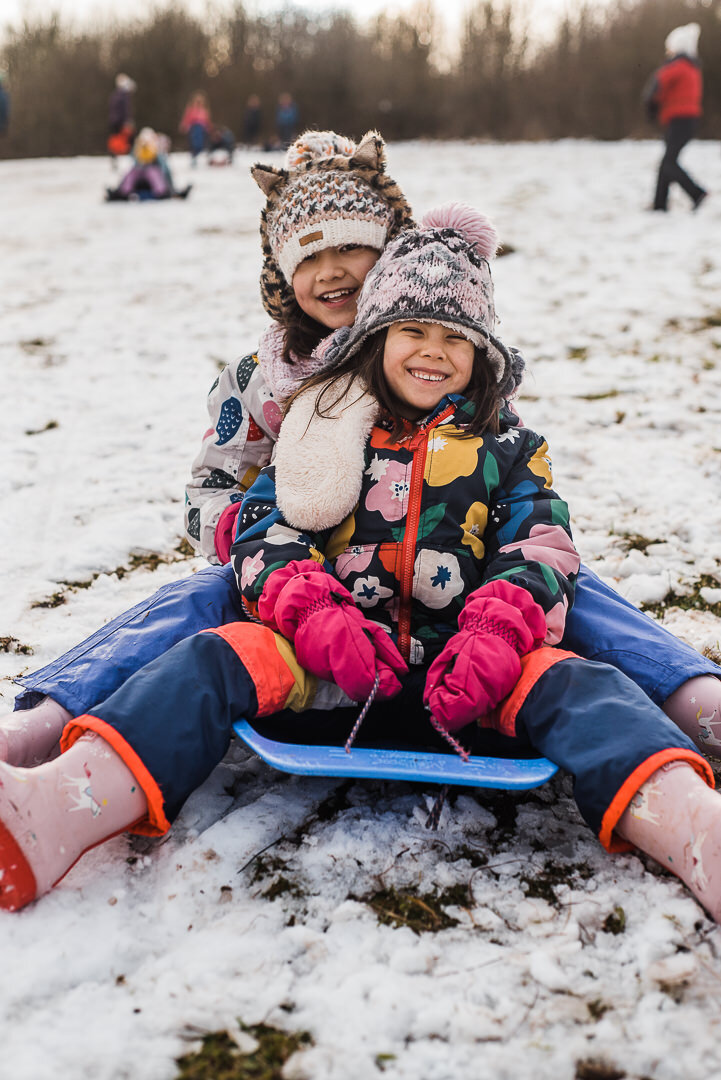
(332, 637)
(480, 665)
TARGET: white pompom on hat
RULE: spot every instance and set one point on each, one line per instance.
(124, 82)
(684, 39)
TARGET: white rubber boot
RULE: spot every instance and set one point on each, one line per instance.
(696, 708)
(51, 814)
(30, 736)
(675, 817)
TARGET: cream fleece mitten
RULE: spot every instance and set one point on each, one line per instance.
(696, 708)
(31, 736)
(51, 814)
(675, 817)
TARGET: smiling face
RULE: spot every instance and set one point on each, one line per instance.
(424, 361)
(327, 283)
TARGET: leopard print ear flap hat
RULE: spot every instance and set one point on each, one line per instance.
(330, 192)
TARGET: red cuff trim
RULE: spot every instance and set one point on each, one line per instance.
(533, 666)
(255, 646)
(638, 777)
(155, 823)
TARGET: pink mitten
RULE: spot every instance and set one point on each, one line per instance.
(480, 664)
(332, 637)
(225, 532)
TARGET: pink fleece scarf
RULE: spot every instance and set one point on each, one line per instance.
(281, 377)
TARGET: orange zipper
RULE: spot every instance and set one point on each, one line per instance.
(419, 447)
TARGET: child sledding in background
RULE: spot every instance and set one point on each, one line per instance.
(309, 284)
(149, 177)
(435, 566)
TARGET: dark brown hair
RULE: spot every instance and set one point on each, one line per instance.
(367, 366)
(302, 333)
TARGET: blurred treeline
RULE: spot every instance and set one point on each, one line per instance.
(396, 72)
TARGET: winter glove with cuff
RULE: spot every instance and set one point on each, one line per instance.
(480, 664)
(332, 637)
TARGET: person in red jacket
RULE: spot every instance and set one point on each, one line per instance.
(673, 96)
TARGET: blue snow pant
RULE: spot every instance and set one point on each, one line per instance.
(173, 720)
(600, 626)
(197, 139)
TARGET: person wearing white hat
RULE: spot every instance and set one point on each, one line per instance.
(673, 96)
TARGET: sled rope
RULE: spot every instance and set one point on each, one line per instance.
(435, 812)
(453, 743)
(362, 714)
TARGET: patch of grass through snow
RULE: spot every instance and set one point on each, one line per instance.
(421, 912)
(221, 1059)
(149, 560)
(691, 601)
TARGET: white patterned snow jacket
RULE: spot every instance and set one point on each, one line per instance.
(245, 410)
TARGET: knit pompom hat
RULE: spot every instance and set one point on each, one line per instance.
(440, 273)
(330, 192)
(683, 40)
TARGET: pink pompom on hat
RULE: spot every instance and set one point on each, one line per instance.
(438, 272)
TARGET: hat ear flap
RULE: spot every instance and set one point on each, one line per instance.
(370, 152)
(267, 178)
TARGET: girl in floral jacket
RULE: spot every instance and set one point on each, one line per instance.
(434, 567)
(330, 197)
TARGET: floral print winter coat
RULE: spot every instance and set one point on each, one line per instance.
(440, 513)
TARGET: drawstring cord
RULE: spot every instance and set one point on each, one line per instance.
(362, 714)
(435, 812)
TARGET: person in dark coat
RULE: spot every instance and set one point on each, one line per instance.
(286, 120)
(673, 96)
(4, 105)
(121, 126)
(252, 119)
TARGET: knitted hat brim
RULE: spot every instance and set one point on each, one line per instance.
(330, 233)
(498, 355)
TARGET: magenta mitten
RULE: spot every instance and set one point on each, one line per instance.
(332, 637)
(481, 664)
(225, 531)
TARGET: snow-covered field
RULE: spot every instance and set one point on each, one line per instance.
(563, 962)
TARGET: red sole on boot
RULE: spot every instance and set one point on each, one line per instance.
(17, 881)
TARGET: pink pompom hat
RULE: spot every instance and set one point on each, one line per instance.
(439, 272)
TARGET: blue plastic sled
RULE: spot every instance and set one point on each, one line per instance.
(394, 764)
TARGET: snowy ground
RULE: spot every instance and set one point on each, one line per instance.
(115, 321)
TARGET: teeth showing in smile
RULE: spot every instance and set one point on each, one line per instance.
(426, 378)
(337, 295)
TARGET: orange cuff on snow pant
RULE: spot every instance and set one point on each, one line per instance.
(533, 665)
(155, 823)
(638, 777)
(256, 647)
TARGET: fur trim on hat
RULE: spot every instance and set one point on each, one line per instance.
(319, 460)
(321, 153)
